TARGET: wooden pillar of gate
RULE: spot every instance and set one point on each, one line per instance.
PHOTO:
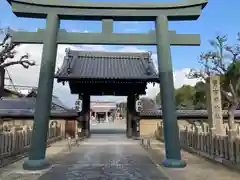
(130, 110)
(134, 117)
(85, 115)
(81, 120)
(88, 102)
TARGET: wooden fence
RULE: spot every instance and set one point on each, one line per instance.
(15, 143)
(222, 149)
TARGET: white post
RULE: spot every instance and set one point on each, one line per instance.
(106, 116)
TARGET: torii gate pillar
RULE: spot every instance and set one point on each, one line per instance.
(171, 132)
(37, 151)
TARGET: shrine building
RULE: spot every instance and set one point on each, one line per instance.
(102, 109)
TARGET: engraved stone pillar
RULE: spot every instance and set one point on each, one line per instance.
(215, 106)
(44, 98)
(171, 132)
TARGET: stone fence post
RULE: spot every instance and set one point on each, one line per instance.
(14, 135)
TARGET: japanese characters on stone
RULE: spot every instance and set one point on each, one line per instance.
(216, 99)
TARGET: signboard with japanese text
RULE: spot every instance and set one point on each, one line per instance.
(78, 105)
(139, 105)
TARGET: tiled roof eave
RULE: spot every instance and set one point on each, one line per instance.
(67, 78)
(30, 114)
(187, 114)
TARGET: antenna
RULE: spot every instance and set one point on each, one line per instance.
(10, 79)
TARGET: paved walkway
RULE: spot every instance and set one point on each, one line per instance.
(109, 157)
(14, 171)
(102, 157)
(197, 168)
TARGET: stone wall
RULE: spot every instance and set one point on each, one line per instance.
(149, 127)
(20, 123)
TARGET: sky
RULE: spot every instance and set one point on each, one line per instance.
(218, 18)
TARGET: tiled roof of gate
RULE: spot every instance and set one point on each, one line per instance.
(107, 65)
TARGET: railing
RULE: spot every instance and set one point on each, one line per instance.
(15, 144)
(222, 149)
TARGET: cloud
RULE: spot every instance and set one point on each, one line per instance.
(29, 77)
(180, 79)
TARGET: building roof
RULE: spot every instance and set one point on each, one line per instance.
(151, 109)
(185, 114)
(55, 114)
(25, 107)
(107, 66)
(55, 100)
(17, 103)
(13, 92)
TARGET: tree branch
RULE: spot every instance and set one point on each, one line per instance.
(7, 51)
(238, 86)
(223, 61)
(228, 97)
(24, 63)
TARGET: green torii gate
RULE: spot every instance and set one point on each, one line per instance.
(56, 10)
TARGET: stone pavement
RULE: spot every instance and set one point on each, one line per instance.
(197, 168)
(116, 127)
(102, 157)
(108, 157)
(15, 171)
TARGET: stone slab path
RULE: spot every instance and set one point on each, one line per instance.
(102, 157)
(105, 158)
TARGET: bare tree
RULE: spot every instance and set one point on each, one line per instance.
(7, 57)
(8, 52)
(224, 61)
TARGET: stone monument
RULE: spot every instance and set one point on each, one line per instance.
(215, 105)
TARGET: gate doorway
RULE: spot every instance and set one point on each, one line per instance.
(110, 74)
